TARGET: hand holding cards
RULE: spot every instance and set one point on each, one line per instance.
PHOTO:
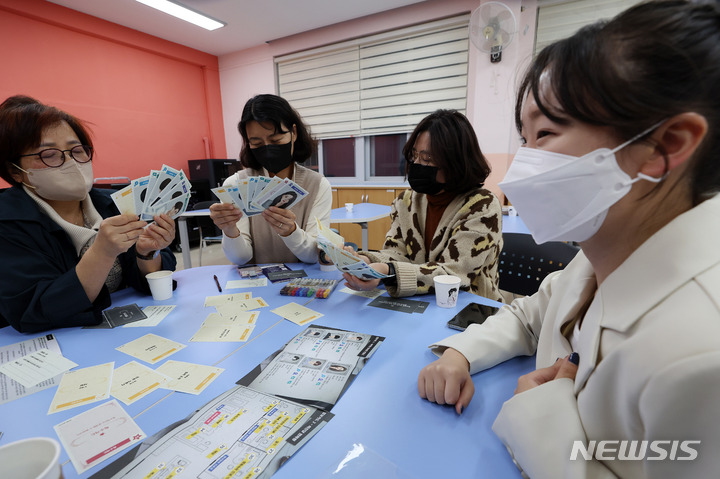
(257, 193)
(162, 192)
(332, 244)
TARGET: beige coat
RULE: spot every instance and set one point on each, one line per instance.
(649, 351)
(258, 243)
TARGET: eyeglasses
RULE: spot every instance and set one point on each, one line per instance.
(55, 158)
(425, 158)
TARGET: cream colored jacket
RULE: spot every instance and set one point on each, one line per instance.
(649, 351)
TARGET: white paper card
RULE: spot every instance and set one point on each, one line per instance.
(10, 389)
(83, 386)
(134, 381)
(246, 283)
(226, 298)
(217, 328)
(188, 377)
(230, 309)
(37, 367)
(151, 348)
(98, 434)
(297, 313)
(155, 314)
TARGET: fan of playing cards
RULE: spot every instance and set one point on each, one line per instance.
(165, 191)
(257, 193)
(332, 244)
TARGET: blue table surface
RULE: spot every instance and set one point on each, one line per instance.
(361, 212)
(381, 410)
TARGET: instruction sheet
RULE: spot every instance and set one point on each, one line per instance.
(315, 367)
(241, 433)
(11, 389)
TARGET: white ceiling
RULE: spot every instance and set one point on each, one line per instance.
(249, 22)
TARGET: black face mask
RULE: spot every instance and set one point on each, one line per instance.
(422, 179)
(274, 158)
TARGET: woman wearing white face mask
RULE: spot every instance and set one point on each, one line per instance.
(621, 123)
(63, 245)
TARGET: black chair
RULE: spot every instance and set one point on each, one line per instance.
(209, 233)
(524, 263)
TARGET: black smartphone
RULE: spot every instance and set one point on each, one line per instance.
(472, 313)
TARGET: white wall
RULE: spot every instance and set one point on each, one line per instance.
(491, 87)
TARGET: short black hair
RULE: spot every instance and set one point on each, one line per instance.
(276, 111)
(454, 148)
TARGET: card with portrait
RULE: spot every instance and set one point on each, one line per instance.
(166, 191)
(255, 194)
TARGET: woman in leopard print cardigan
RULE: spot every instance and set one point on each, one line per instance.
(447, 223)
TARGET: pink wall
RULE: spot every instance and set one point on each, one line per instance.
(491, 92)
(490, 86)
(148, 101)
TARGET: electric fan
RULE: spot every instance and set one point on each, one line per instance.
(492, 27)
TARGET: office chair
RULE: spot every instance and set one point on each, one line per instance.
(209, 233)
(524, 263)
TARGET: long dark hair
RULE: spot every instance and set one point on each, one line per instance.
(276, 111)
(651, 62)
(22, 122)
(454, 149)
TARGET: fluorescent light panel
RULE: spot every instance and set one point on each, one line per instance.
(183, 13)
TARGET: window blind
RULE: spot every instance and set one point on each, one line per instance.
(556, 21)
(380, 84)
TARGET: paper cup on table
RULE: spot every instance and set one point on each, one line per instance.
(349, 207)
(33, 458)
(446, 290)
(160, 284)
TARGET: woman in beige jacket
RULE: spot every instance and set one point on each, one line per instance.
(621, 123)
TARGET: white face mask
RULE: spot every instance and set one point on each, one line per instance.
(69, 182)
(566, 198)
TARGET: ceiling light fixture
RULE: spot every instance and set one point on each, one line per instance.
(183, 13)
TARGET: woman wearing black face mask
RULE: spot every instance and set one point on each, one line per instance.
(447, 223)
(275, 141)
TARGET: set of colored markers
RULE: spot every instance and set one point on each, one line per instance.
(310, 287)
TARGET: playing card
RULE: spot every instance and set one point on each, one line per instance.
(173, 208)
(124, 200)
(152, 181)
(255, 194)
(139, 190)
(161, 192)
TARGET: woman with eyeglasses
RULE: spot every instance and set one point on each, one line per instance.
(64, 246)
(275, 143)
(621, 129)
(447, 223)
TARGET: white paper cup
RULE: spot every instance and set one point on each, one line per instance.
(512, 211)
(160, 284)
(33, 458)
(349, 207)
(446, 290)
